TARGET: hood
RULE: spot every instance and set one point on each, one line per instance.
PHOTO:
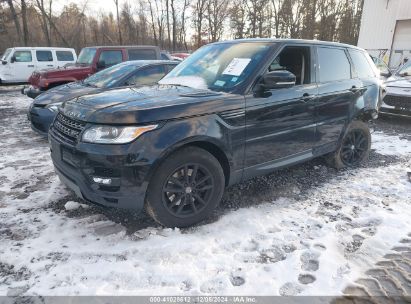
(66, 71)
(399, 85)
(64, 92)
(148, 104)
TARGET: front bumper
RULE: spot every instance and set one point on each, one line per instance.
(76, 167)
(40, 119)
(31, 91)
(396, 105)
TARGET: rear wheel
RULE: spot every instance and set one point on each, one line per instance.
(185, 188)
(354, 148)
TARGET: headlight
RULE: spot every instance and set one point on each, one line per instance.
(113, 134)
(54, 106)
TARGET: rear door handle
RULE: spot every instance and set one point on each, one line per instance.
(31, 65)
(307, 97)
(50, 65)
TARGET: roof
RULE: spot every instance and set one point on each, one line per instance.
(42, 48)
(141, 63)
(296, 41)
(123, 46)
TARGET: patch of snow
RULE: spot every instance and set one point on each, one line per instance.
(390, 144)
(72, 205)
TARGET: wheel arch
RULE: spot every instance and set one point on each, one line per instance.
(205, 143)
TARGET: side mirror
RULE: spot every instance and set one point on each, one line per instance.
(386, 74)
(12, 59)
(278, 80)
(101, 64)
(3, 62)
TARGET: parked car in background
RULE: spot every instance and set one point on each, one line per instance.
(20, 62)
(231, 111)
(397, 101)
(131, 73)
(180, 55)
(90, 61)
(167, 56)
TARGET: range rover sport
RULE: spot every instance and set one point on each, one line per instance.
(231, 111)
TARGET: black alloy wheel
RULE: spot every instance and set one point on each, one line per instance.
(354, 147)
(185, 188)
(187, 191)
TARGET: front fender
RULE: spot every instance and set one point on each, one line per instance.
(209, 130)
(368, 103)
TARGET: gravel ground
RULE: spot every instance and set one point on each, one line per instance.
(316, 207)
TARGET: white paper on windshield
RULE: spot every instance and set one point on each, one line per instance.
(236, 66)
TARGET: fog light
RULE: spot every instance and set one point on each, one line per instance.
(100, 180)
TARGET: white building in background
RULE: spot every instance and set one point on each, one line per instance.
(386, 30)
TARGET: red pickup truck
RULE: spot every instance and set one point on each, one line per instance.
(90, 61)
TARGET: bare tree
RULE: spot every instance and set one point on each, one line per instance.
(198, 18)
(120, 39)
(44, 22)
(166, 23)
(174, 26)
(217, 14)
(183, 33)
(277, 19)
(291, 14)
(15, 20)
(24, 22)
(238, 18)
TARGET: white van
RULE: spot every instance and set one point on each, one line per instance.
(20, 62)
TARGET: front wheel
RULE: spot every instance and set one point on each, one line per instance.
(354, 147)
(185, 188)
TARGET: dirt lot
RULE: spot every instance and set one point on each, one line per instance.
(307, 230)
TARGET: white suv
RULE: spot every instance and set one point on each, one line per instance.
(20, 62)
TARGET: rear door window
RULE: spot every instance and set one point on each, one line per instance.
(333, 64)
(64, 56)
(44, 56)
(111, 57)
(361, 64)
(141, 54)
(23, 56)
(147, 76)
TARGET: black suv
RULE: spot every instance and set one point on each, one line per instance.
(231, 111)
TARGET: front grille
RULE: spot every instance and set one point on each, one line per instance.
(68, 129)
(398, 101)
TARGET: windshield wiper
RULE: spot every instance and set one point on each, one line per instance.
(88, 84)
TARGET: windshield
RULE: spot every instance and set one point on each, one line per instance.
(6, 54)
(110, 76)
(218, 67)
(405, 70)
(86, 56)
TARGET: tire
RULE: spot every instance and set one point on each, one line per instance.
(354, 147)
(185, 188)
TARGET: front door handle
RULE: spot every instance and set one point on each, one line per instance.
(31, 65)
(49, 65)
(307, 97)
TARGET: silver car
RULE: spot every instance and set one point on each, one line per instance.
(397, 100)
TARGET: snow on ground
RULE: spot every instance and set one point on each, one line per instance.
(301, 240)
(390, 145)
